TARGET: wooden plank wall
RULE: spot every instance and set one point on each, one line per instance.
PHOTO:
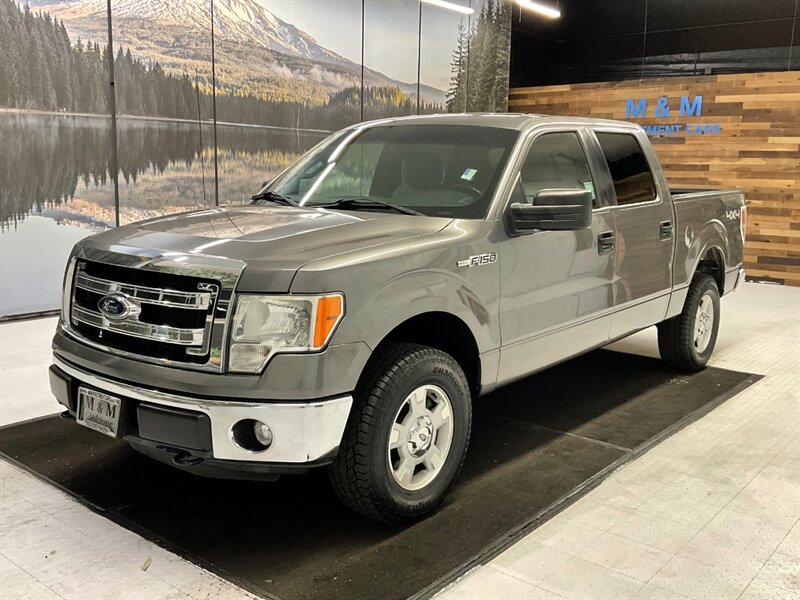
(757, 149)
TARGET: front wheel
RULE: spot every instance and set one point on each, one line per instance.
(687, 341)
(406, 436)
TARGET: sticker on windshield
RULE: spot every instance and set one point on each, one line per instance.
(469, 174)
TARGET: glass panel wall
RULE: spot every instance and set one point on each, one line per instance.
(162, 71)
(391, 45)
(444, 36)
(55, 184)
(285, 73)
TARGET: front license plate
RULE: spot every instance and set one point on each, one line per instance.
(98, 411)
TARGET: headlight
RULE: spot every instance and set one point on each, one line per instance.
(266, 325)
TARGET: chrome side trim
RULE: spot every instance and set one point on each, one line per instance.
(302, 432)
(148, 295)
(138, 329)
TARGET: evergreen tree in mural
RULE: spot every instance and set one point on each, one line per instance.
(35, 58)
(457, 94)
(479, 80)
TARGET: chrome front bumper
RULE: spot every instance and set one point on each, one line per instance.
(302, 432)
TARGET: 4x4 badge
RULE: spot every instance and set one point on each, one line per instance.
(478, 260)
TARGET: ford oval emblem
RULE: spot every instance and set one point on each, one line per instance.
(114, 306)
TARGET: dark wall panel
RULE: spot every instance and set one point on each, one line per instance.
(679, 14)
(610, 40)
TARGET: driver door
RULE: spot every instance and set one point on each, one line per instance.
(556, 286)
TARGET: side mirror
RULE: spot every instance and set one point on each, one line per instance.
(553, 210)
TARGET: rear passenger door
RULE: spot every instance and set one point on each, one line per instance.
(644, 233)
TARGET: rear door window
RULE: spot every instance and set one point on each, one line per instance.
(633, 180)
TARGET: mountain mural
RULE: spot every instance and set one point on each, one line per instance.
(278, 91)
(42, 69)
(255, 50)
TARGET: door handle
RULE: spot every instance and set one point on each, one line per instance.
(665, 230)
(605, 242)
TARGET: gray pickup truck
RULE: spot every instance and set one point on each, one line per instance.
(350, 314)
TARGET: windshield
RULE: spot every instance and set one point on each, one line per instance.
(436, 170)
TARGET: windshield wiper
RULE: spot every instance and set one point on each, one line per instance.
(367, 203)
(273, 197)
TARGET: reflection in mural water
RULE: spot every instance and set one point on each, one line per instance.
(54, 159)
(250, 156)
(57, 185)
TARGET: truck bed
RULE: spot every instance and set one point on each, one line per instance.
(706, 218)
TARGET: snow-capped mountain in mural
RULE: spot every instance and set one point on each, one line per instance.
(235, 20)
(256, 50)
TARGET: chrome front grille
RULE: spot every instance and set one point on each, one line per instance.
(133, 327)
(161, 315)
(178, 299)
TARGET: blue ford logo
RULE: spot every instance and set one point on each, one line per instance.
(114, 306)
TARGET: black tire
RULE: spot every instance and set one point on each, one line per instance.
(677, 341)
(361, 474)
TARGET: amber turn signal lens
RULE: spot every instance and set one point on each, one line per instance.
(329, 311)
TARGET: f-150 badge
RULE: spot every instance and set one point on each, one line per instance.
(478, 260)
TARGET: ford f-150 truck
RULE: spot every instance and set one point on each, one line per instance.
(350, 314)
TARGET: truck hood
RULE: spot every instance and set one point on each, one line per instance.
(273, 241)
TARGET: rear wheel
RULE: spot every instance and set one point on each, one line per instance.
(687, 341)
(407, 434)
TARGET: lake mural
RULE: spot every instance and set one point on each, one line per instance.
(287, 72)
(57, 185)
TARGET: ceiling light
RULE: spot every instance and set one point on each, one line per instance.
(450, 6)
(542, 9)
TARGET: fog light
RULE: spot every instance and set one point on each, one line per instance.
(252, 435)
(263, 433)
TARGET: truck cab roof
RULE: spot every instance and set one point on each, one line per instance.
(517, 121)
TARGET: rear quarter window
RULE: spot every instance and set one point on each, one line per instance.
(633, 180)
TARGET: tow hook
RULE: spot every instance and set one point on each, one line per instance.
(182, 457)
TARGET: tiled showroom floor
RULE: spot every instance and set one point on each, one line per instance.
(712, 512)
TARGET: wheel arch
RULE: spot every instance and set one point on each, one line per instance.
(443, 331)
(706, 254)
(712, 262)
(702, 250)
